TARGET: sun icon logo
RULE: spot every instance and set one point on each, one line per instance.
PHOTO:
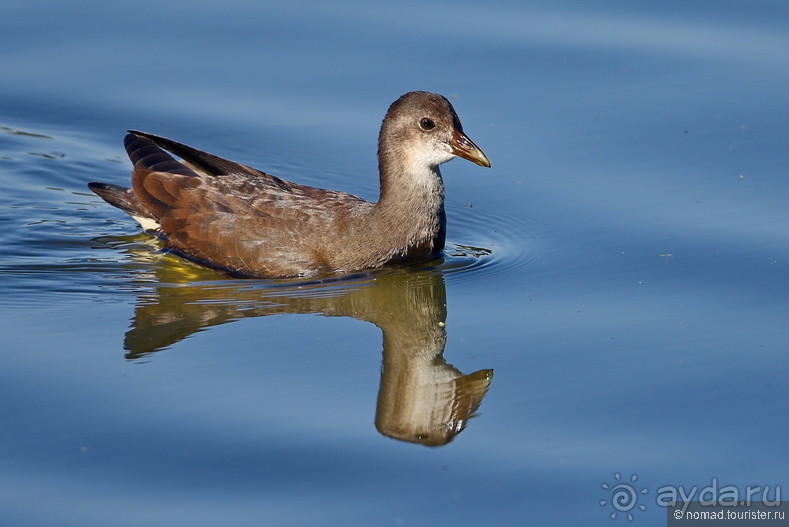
(623, 497)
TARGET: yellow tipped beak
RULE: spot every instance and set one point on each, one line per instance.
(464, 147)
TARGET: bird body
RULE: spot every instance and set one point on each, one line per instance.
(240, 220)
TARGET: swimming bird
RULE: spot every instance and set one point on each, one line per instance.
(239, 220)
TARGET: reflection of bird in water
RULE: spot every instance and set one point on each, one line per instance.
(421, 398)
(231, 217)
(427, 402)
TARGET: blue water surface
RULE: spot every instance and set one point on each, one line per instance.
(611, 309)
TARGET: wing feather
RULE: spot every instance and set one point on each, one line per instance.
(229, 216)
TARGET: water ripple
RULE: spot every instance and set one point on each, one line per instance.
(487, 241)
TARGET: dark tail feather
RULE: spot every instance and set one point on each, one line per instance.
(121, 197)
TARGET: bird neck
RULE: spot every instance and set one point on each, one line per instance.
(410, 208)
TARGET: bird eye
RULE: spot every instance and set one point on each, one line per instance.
(427, 124)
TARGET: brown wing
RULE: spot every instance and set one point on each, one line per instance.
(229, 216)
(142, 143)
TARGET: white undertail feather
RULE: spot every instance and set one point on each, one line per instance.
(147, 224)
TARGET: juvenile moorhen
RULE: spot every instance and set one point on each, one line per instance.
(239, 220)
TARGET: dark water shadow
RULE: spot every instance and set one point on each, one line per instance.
(421, 399)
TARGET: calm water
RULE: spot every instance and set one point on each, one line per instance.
(613, 303)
